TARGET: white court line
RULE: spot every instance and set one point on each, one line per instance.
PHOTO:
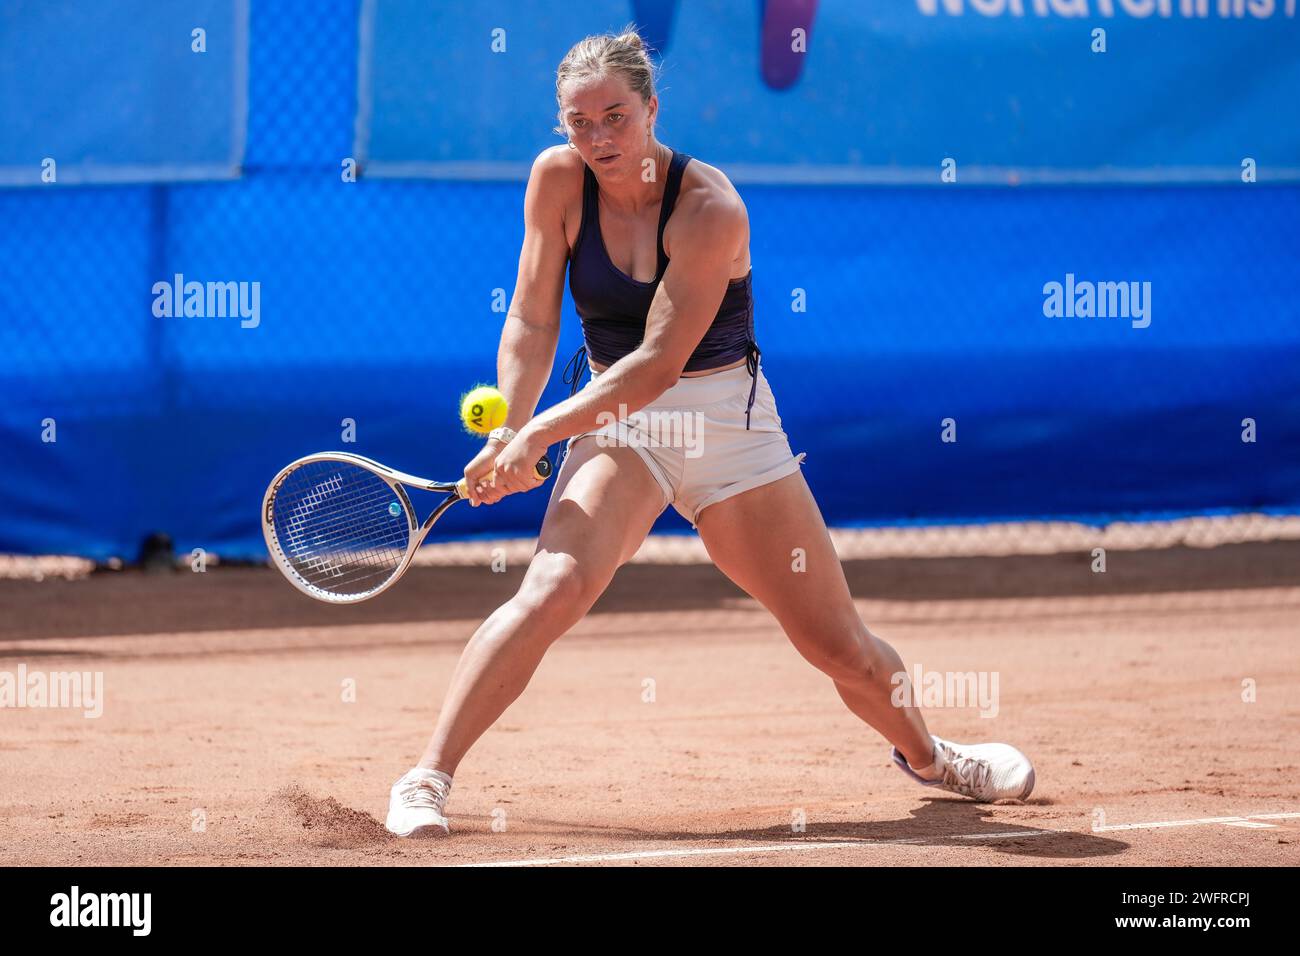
(1229, 821)
(770, 848)
(873, 844)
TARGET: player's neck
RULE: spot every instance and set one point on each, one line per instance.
(640, 190)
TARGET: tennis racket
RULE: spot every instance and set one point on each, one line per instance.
(341, 527)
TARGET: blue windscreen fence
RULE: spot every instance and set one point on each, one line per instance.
(1119, 340)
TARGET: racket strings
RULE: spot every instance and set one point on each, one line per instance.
(337, 557)
(341, 528)
(351, 553)
(300, 524)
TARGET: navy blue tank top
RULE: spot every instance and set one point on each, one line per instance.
(613, 306)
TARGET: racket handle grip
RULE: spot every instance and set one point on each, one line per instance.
(542, 470)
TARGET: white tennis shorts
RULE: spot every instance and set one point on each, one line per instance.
(694, 441)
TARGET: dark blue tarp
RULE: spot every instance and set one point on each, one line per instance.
(922, 304)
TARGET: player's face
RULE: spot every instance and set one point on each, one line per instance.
(608, 124)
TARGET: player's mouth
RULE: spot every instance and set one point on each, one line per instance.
(607, 160)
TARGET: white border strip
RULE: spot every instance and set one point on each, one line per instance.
(469, 170)
(809, 175)
(83, 174)
(239, 108)
(365, 92)
(996, 175)
(871, 844)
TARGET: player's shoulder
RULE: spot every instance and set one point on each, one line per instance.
(557, 168)
(554, 185)
(707, 194)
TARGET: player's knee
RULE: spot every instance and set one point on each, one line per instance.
(853, 659)
(556, 585)
(847, 663)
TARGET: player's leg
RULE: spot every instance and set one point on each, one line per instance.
(753, 537)
(603, 504)
(771, 541)
(602, 507)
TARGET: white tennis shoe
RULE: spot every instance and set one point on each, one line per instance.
(415, 806)
(984, 772)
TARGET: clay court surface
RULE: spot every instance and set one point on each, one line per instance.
(224, 704)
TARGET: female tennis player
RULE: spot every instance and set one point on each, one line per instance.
(656, 245)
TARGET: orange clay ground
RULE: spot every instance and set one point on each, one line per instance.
(225, 738)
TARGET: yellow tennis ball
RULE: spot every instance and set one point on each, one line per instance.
(483, 409)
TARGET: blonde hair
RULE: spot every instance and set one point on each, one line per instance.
(622, 54)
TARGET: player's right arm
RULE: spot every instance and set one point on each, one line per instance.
(532, 325)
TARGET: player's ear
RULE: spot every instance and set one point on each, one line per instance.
(652, 111)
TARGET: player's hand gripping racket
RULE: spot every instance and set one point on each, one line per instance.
(341, 527)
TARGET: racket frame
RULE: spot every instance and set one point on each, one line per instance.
(395, 480)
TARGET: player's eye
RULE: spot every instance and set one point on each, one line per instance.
(579, 124)
(615, 117)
